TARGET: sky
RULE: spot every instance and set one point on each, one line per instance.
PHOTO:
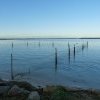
(49, 18)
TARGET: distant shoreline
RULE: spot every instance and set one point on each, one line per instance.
(41, 38)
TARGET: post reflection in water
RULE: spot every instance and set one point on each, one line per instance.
(69, 53)
(74, 52)
(27, 44)
(12, 45)
(39, 44)
(52, 44)
(56, 59)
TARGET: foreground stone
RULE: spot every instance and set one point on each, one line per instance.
(16, 91)
(23, 84)
(34, 96)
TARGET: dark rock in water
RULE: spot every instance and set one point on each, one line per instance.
(16, 91)
(34, 96)
(4, 90)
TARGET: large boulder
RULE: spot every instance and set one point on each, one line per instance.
(24, 85)
(16, 91)
(33, 96)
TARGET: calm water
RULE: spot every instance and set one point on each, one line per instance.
(34, 61)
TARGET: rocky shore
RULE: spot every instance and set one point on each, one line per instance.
(21, 90)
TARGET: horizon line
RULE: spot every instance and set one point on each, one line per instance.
(20, 38)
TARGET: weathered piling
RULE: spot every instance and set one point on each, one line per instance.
(74, 51)
(69, 53)
(68, 45)
(12, 75)
(82, 47)
(87, 44)
(56, 59)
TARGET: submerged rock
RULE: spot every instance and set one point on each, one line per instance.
(34, 96)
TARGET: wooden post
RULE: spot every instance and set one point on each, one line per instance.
(56, 60)
(74, 48)
(87, 44)
(12, 76)
(82, 47)
(68, 45)
(69, 53)
(74, 51)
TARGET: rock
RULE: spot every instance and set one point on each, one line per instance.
(24, 85)
(4, 89)
(16, 91)
(34, 96)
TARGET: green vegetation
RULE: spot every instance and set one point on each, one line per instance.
(62, 93)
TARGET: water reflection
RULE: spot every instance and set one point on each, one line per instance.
(74, 52)
(27, 44)
(53, 44)
(39, 44)
(69, 53)
(56, 60)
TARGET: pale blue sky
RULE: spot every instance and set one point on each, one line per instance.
(49, 18)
